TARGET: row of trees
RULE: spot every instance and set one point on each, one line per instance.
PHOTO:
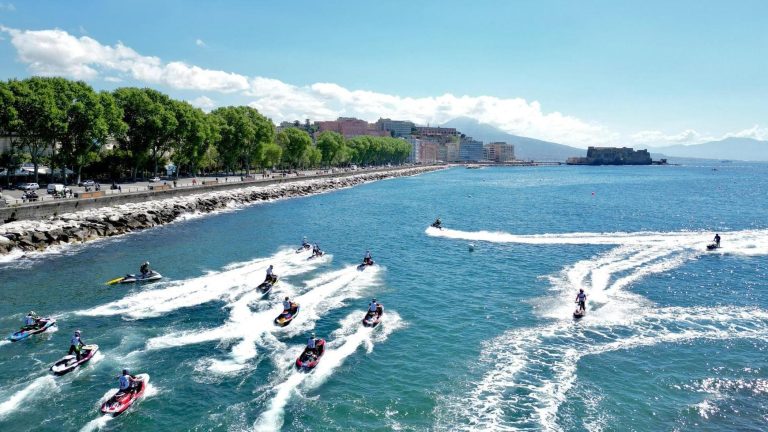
(130, 131)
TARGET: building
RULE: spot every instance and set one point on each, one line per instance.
(427, 152)
(415, 149)
(426, 131)
(350, 127)
(612, 156)
(500, 152)
(396, 128)
(470, 149)
(449, 152)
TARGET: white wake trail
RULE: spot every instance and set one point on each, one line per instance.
(228, 283)
(343, 343)
(40, 386)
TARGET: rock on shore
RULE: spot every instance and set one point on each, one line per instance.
(111, 221)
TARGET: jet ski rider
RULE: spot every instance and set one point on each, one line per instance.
(581, 299)
(437, 223)
(271, 277)
(367, 259)
(717, 240)
(76, 344)
(304, 243)
(144, 269)
(312, 344)
(127, 382)
(316, 250)
(373, 307)
(31, 320)
(287, 304)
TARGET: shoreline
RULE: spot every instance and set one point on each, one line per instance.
(109, 221)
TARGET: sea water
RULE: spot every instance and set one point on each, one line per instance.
(675, 337)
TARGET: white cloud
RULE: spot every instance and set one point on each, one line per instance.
(56, 52)
(113, 79)
(7, 7)
(204, 103)
(199, 42)
(755, 132)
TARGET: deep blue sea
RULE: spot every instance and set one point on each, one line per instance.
(675, 337)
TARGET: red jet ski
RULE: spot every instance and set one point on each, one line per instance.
(121, 401)
(309, 359)
(68, 363)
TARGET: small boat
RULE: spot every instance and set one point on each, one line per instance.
(43, 324)
(121, 400)
(287, 316)
(266, 286)
(132, 278)
(68, 363)
(372, 319)
(310, 358)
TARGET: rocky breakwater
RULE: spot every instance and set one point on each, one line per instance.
(24, 236)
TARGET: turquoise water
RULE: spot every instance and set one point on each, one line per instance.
(675, 337)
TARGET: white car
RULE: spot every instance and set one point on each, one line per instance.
(57, 188)
(29, 186)
(154, 179)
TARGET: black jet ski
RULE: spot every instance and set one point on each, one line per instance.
(68, 363)
(579, 313)
(713, 246)
(266, 286)
(316, 255)
(437, 225)
(365, 263)
(306, 247)
(372, 319)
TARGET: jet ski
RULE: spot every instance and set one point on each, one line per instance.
(317, 255)
(286, 317)
(305, 247)
(372, 319)
(43, 324)
(437, 225)
(132, 278)
(121, 400)
(266, 286)
(68, 363)
(712, 246)
(579, 313)
(365, 264)
(308, 359)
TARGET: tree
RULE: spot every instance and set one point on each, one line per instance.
(151, 125)
(295, 143)
(271, 155)
(40, 121)
(263, 134)
(313, 157)
(330, 145)
(244, 133)
(191, 139)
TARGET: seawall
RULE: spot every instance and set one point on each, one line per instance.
(113, 215)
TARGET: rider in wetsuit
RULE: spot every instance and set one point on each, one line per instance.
(581, 299)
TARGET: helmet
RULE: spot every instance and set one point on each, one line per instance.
(313, 334)
(77, 332)
(374, 300)
(125, 371)
(31, 313)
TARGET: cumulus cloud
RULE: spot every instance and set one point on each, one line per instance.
(56, 52)
(755, 132)
(204, 103)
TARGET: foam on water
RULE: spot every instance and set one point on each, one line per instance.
(342, 343)
(253, 329)
(227, 284)
(17, 401)
(530, 371)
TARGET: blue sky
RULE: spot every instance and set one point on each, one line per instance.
(577, 72)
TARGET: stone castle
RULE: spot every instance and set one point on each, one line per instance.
(612, 156)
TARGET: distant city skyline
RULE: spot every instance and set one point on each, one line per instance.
(580, 74)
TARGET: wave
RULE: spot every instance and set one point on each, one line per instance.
(342, 343)
(229, 283)
(531, 371)
(320, 295)
(17, 401)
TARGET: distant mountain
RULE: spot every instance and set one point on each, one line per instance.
(525, 148)
(746, 149)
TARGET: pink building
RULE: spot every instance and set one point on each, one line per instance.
(350, 127)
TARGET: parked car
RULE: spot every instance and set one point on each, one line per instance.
(88, 183)
(57, 188)
(28, 186)
(154, 179)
